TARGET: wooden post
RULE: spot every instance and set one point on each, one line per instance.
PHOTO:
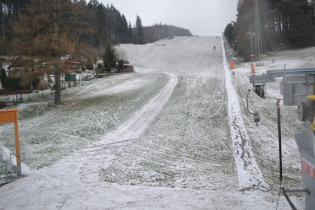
(17, 143)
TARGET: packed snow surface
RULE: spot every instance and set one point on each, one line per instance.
(173, 135)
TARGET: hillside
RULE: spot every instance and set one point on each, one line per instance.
(163, 137)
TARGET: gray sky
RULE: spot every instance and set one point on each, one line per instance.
(201, 17)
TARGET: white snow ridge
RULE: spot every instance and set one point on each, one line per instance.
(249, 174)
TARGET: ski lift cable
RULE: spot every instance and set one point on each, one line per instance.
(249, 85)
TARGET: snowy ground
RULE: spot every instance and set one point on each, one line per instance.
(160, 138)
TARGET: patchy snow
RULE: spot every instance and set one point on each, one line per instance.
(138, 123)
(160, 138)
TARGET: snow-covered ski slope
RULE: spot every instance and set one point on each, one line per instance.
(159, 138)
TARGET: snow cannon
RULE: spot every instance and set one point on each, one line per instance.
(306, 145)
(298, 89)
(306, 109)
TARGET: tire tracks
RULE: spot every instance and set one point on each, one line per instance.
(131, 129)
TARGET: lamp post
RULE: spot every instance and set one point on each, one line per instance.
(251, 34)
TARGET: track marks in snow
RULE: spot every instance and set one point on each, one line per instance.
(138, 123)
(132, 128)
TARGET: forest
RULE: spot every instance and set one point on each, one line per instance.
(273, 24)
(90, 24)
(37, 34)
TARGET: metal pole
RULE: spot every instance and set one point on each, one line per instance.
(279, 135)
(251, 44)
(288, 199)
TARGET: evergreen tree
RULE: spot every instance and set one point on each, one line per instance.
(290, 22)
(101, 30)
(124, 30)
(93, 4)
(228, 32)
(89, 64)
(109, 58)
(159, 31)
(130, 33)
(3, 77)
(139, 28)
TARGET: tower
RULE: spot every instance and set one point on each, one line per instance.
(258, 38)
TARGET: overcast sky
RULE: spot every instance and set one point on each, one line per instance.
(201, 17)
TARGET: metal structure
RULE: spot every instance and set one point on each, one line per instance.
(8, 171)
(306, 145)
(298, 88)
(6, 167)
(295, 86)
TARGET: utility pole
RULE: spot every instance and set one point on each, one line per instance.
(251, 50)
(258, 38)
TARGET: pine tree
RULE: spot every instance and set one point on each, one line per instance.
(109, 58)
(290, 22)
(130, 33)
(3, 77)
(89, 64)
(124, 29)
(139, 27)
(101, 30)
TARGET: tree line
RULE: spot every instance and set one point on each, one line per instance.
(92, 23)
(38, 33)
(282, 22)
